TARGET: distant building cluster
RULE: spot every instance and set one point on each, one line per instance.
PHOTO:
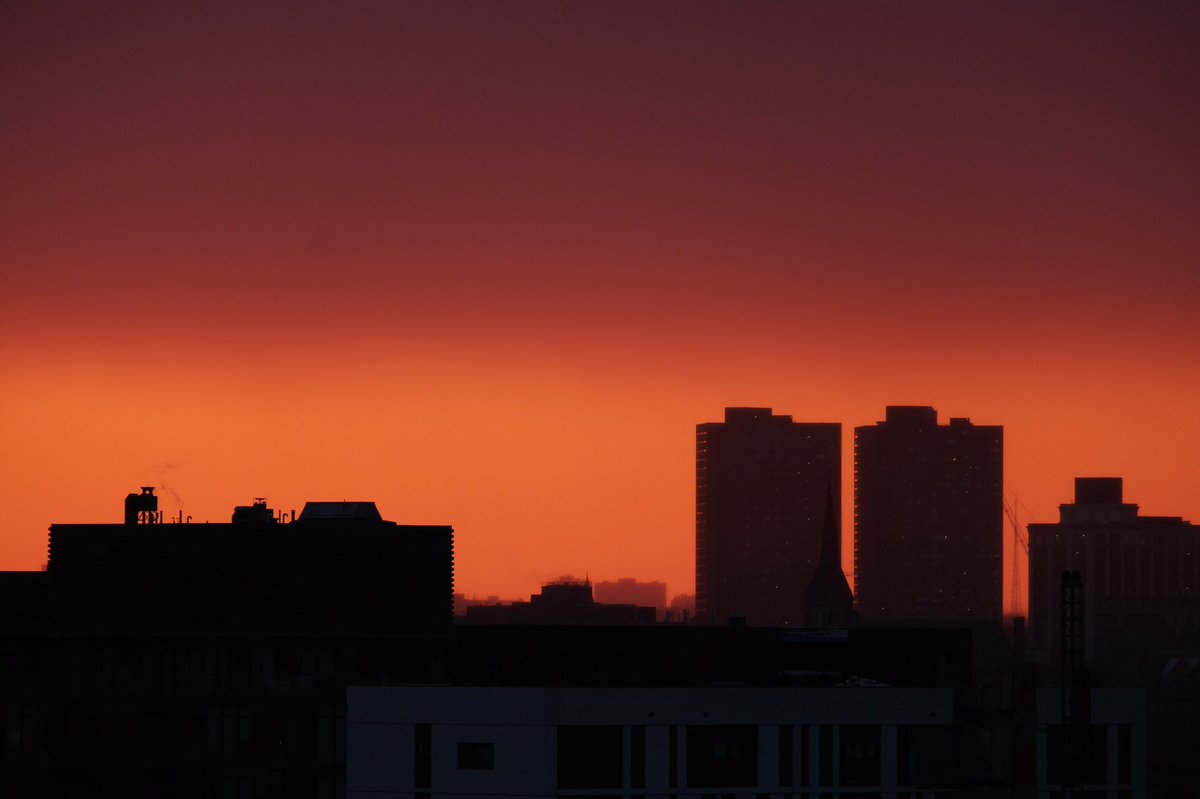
(563, 602)
(1114, 596)
(927, 518)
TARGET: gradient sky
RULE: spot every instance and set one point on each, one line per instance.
(488, 264)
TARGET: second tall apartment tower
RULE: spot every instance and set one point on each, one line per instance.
(761, 486)
(927, 517)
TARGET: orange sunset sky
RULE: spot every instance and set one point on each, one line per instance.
(488, 264)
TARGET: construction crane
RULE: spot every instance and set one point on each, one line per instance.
(1019, 541)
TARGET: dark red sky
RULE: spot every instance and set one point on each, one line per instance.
(489, 264)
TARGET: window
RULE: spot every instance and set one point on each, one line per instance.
(785, 756)
(825, 755)
(860, 759)
(422, 755)
(229, 729)
(637, 756)
(722, 756)
(331, 735)
(590, 756)
(1124, 754)
(1077, 752)
(672, 757)
(476, 755)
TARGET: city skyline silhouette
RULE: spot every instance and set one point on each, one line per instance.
(765, 538)
(319, 653)
(488, 266)
(365, 307)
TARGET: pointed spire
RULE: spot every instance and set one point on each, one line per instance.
(828, 601)
(831, 539)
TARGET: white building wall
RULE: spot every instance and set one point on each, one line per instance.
(1111, 708)
(522, 726)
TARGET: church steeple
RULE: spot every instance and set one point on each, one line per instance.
(828, 602)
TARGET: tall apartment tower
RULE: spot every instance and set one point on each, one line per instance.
(761, 486)
(928, 509)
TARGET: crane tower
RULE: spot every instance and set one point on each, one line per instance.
(1019, 542)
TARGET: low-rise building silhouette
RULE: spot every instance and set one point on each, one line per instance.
(682, 609)
(562, 602)
(338, 567)
(629, 591)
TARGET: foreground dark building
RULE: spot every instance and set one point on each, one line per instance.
(338, 567)
(927, 517)
(761, 483)
(141, 693)
(179, 659)
(1141, 612)
(1141, 575)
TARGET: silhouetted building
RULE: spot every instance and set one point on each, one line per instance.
(495, 742)
(828, 602)
(462, 602)
(850, 739)
(1141, 576)
(339, 566)
(928, 517)
(562, 602)
(162, 703)
(682, 609)
(628, 591)
(199, 660)
(664, 710)
(761, 482)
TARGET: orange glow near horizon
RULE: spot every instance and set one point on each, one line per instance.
(490, 266)
(545, 472)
